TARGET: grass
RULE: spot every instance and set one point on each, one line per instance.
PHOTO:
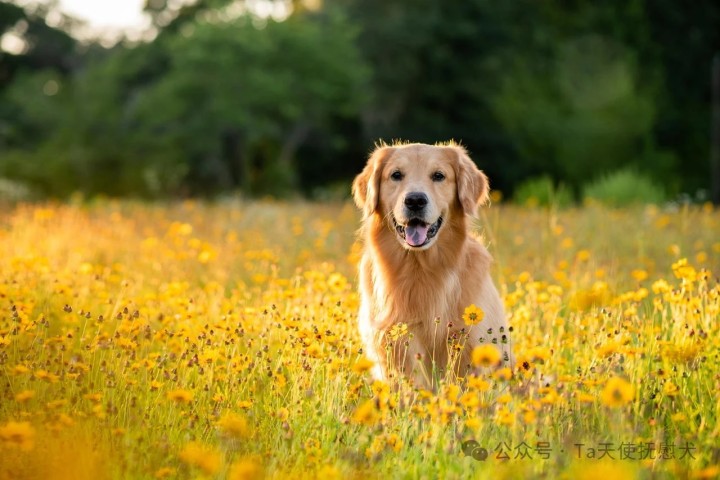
(206, 340)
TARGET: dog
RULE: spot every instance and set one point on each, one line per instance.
(421, 266)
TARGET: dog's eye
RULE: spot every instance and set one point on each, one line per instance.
(438, 177)
(396, 175)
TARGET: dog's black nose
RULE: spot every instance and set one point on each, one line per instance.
(416, 201)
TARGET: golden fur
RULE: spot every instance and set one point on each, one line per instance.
(426, 287)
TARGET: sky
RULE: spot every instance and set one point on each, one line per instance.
(105, 20)
(110, 20)
(115, 14)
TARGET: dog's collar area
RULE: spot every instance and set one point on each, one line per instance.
(419, 231)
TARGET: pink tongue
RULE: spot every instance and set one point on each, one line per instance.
(416, 235)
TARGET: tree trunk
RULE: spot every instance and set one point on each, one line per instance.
(290, 146)
(236, 157)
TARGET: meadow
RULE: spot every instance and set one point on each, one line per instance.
(218, 340)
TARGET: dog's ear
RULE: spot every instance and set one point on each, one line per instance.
(366, 186)
(472, 184)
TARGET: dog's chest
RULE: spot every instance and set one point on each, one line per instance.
(417, 298)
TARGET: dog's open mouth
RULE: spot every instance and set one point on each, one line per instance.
(417, 233)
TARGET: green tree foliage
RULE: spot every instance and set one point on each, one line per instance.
(223, 99)
(581, 113)
(434, 67)
(240, 114)
(573, 89)
(224, 104)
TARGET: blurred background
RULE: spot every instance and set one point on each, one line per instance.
(554, 99)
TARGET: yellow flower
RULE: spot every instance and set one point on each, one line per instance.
(485, 356)
(93, 397)
(617, 392)
(282, 414)
(678, 417)
(529, 416)
(394, 442)
(164, 472)
(233, 425)
(24, 396)
(707, 473)
(583, 397)
(473, 315)
(469, 400)
(55, 404)
(312, 450)
(478, 384)
(248, 468)
(583, 255)
(376, 447)
(18, 434)
(47, 376)
(336, 282)
(366, 414)
(280, 380)
(180, 396)
(362, 365)
(154, 385)
(184, 229)
(328, 472)
(66, 420)
(551, 397)
(503, 374)
(505, 417)
(19, 369)
(639, 275)
(314, 350)
(398, 330)
(670, 389)
(473, 423)
(201, 456)
(602, 470)
(451, 392)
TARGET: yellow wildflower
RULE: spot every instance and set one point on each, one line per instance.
(366, 414)
(485, 356)
(205, 458)
(282, 414)
(478, 383)
(233, 425)
(362, 365)
(617, 392)
(180, 396)
(398, 330)
(670, 389)
(18, 434)
(24, 396)
(248, 468)
(164, 472)
(473, 315)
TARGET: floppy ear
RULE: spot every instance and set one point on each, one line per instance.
(366, 186)
(472, 184)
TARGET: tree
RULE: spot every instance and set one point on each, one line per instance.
(238, 101)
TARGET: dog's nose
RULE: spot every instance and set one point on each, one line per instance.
(416, 201)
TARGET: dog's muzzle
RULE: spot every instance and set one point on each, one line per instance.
(416, 232)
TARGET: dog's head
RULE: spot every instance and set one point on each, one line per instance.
(417, 188)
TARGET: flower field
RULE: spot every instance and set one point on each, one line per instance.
(218, 340)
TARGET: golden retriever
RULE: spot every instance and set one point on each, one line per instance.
(421, 266)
